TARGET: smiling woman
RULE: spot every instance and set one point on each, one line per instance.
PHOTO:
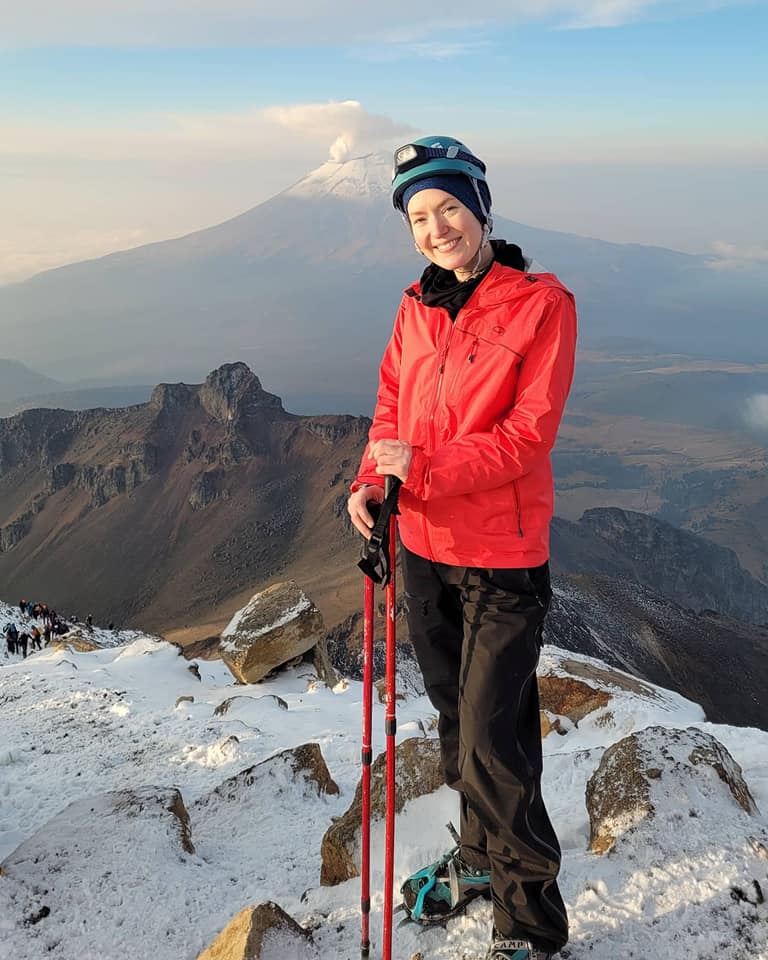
(471, 391)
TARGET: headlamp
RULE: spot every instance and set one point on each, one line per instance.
(406, 153)
(413, 154)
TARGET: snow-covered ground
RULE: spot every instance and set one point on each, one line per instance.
(76, 725)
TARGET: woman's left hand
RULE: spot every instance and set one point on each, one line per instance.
(393, 458)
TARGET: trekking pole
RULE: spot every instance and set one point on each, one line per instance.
(390, 727)
(377, 562)
(367, 758)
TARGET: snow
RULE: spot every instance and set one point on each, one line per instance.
(366, 178)
(75, 726)
(235, 624)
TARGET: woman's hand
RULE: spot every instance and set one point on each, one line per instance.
(358, 510)
(393, 458)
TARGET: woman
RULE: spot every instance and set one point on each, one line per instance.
(472, 388)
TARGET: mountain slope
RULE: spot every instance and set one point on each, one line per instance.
(169, 514)
(305, 286)
(17, 381)
(161, 511)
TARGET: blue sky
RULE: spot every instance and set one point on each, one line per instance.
(632, 120)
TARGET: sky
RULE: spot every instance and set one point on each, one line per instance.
(109, 868)
(628, 120)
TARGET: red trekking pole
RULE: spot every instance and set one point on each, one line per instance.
(378, 563)
(367, 757)
(390, 728)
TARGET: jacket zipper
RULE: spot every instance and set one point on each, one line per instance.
(433, 434)
(517, 509)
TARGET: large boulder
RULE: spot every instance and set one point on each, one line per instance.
(666, 776)
(300, 769)
(75, 639)
(419, 771)
(265, 932)
(275, 627)
(158, 808)
(83, 863)
(568, 697)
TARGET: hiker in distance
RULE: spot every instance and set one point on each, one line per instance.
(472, 387)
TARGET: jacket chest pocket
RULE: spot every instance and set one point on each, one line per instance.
(482, 365)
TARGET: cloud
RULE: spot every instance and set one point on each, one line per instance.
(601, 14)
(346, 124)
(756, 413)
(45, 254)
(731, 256)
(237, 23)
(149, 177)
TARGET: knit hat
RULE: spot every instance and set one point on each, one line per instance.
(458, 186)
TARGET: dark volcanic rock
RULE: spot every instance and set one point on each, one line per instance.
(100, 502)
(720, 663)
(233, 391)
(689, 569)
(14, 532)
(334, 428)
(60, 476)
(31, 435)
(171, 396)
(206, 488)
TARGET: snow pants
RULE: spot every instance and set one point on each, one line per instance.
(477, 636)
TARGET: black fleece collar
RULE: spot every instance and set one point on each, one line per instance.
(440, 288)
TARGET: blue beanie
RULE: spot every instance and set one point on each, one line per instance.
(459, 186)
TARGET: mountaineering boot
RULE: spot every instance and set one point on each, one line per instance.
(503, 948)
(442, 890)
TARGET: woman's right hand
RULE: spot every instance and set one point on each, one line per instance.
(358, 510)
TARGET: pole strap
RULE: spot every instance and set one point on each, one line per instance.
(374, 556)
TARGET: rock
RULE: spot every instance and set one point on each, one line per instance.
(333, 428)
(381, 691)
(265, 932)
(568, 697)
(60, 475)
(171, 396)
(658, 771)
(207, 487)
(303, 765)
(418, 771)
(321, 661)
(224, 706)
(548, 726)
(184, 700)
(14, 532)
(75, 639)
(275, 626)
(89, 829)
(233, 391)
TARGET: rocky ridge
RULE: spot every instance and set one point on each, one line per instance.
(204, 489)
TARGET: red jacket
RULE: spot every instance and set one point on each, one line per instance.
(480, 400)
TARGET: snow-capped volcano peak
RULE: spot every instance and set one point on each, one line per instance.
(365, 178)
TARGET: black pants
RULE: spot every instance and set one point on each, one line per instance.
(477, 636)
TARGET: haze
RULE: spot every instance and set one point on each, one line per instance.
(633, 121)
